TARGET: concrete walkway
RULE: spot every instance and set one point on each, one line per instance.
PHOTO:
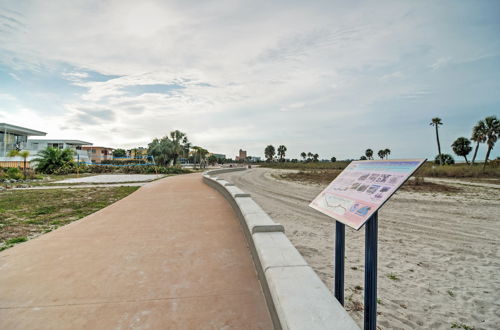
(169, 256)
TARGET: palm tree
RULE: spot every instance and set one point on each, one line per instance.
(303, 155)
(53, 160)
(381, 154)
(315, 157)
(369, 153)
(492, 130)
(478, 136)
(269, 152)
(24, 154)
(387, 152)
(281, 152)
(461, 147)
(161, 150)
(436, 122)
(199, 154)
(179, 139)
(309, 156)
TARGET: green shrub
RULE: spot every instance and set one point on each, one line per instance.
(124, 161)
(14, 173)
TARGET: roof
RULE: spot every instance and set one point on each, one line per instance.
(77, 142)
(4, 127)
(96, 147)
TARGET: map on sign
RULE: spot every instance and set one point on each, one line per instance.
(362, 188)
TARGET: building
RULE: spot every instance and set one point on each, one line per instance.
(242, 155)
(98, 154)
(138, 153)
(14, 138)
(81, 155)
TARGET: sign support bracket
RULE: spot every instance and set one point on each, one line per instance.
(339, 261)
(371, 236)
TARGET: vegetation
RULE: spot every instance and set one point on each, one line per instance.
(24, 154)
(269, 152)
(119, 153)
(444, 159)
(54, 160)
(384, 153)
(491, 130)
(199, 156)
(478, 136)
(369, 154)
(168, 149)
(457, 325)
(281, 153)
(25, 214)
(436, 122)
(461, 147)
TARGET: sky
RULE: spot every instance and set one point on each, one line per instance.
(327, 77)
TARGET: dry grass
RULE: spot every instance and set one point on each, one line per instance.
(26, 214)
(324, 177)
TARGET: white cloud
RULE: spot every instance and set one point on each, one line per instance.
(282, 71)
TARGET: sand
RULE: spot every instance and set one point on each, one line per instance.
(439, 253)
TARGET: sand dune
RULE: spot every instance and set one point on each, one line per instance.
(439, 254)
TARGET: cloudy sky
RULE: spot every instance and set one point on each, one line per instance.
(330, 77)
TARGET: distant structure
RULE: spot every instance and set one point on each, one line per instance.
(242, 155)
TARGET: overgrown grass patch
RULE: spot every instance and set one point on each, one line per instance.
(28, 213)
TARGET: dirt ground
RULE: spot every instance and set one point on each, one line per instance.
(439, 251)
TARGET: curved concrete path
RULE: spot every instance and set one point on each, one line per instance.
(170, 256)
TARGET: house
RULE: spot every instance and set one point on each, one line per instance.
(81, 155)
(98, 154)
(14, 138)
(138, 153)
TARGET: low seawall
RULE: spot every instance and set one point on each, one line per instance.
(295, 295)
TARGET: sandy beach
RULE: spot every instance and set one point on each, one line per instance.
(439, 253)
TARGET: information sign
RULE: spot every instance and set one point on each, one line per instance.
(362, 188)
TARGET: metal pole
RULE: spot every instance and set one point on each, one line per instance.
(339, 261)
(371, 229)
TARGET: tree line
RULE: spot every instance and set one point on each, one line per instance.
(486, 131)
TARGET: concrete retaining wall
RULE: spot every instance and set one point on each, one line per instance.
(296, 297)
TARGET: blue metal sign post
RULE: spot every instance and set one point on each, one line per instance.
(339, 261)
(371, 236)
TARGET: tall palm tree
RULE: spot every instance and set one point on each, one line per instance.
(387, 152)
(369, 153)
(478, 136)
(436, 122)
(381, 154)
(303, 155)
(281, 152)
(315, 157)
(461, 147)
(492, 130)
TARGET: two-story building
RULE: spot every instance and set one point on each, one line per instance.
(14, 137)
(81, 155)
(98, 154)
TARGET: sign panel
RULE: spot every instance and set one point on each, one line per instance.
(362, 188)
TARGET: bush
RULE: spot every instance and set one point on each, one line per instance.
(446, 159)
(14, 173)
(138, 169)
(123, 161)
